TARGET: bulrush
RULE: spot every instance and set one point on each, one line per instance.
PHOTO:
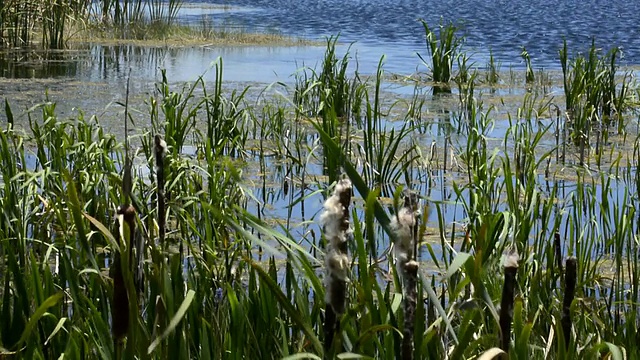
(120, 306)
(404, 226)
(335, 221)
(506, 304)
(160, 150)
(404, 229)
(120, 303)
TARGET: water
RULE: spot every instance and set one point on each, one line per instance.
(375, 27)
(392, 28)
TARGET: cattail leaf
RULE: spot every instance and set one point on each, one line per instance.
(459, 261)
(614, 351)
(51, 301)
(433, 297)
(76, 213)
(8, 112)
(182, 310)
(103, 229)
(295, 315)
(491, 354)
(56, 330)
(396, 302)
(368, 334)
(349, 356)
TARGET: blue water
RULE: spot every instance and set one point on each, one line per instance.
(375, 27)
(392, 27)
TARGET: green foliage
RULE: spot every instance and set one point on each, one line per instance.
(443, 48)
(231, 282)
(594, 99)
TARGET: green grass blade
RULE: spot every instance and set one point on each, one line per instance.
(182, 310)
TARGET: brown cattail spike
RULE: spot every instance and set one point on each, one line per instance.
(160, 150)
(506, 305)
(404, 227)
(120, 303)
(136, 259)
(410, 302)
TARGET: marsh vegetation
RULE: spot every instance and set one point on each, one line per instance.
(54, 24)
(485, 229)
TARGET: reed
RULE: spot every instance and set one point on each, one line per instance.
(443, 49)
(594, 100)
(335, 220)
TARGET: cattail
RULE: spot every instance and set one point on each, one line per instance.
(569, 293)
(558, 250)
(120, 303)
(136, 259)
(160, 151)
(335, 221)
(506, 304)
(404, 226)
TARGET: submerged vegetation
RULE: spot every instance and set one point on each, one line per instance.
(475, 235)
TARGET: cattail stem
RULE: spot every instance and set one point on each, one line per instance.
(569, 293)
(410, 299)
(506, 305)
(405, 229)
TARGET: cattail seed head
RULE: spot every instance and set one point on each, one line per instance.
(403, 226)
(335, 218)
(336, 228)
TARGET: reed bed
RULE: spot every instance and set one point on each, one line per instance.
(196, 266)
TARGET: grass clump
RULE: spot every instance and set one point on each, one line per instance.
(594, 100)
(443, 48)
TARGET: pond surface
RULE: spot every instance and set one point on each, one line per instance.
(376, 28)
(503, 26)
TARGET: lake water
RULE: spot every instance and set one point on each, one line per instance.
(392, 27)
(376, 28)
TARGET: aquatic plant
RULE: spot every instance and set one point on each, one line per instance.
(593, 99)
(529, 74)
(335, 221)
(492, 70)
(443, 48)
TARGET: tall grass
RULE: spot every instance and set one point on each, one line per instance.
(21, 21)
(443, 49)
(594, 100)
